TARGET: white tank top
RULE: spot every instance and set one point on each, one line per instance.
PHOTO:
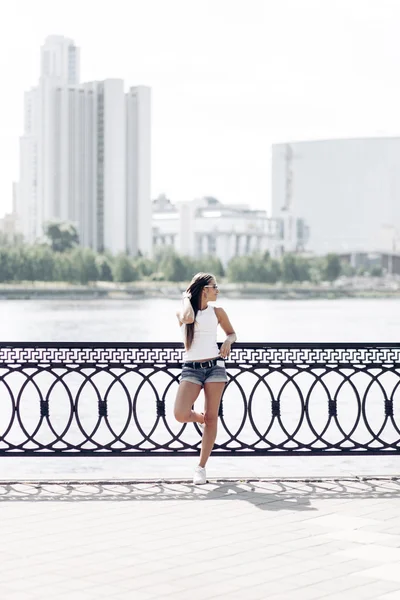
(204, 343)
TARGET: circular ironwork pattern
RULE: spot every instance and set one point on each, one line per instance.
(113, 399)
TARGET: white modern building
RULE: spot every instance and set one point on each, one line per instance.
(8, 223)
(346, 191)
(138, 218)
(85, 155)
(8, 227)
(205, 227)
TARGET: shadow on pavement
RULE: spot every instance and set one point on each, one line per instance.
(265, 495)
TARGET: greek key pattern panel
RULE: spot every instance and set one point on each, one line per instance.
(306, 355)
(172, 354)
(92, 355)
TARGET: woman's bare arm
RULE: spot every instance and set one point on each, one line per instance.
(226, 325)
(186, 313)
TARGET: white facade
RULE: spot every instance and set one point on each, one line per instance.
(59, 67)
(8, 224)
(74, 155)
(138, 153)
(114, 166)
(346, 191)
(77, 156)
(27, 197)
(207, 227)
(60, 59)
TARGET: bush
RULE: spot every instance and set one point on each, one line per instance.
(123, 269)
(104, 267)
(332, 268)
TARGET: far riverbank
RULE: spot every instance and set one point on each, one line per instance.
(172, 290)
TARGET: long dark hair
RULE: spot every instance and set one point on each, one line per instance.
(195, 288)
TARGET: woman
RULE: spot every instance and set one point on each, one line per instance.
(203, 364)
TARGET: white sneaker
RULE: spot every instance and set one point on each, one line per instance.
(199, 476)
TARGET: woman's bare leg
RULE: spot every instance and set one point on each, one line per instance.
(185, 398)
(213, 394)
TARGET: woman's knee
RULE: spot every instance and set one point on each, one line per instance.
(181, 415)
(210, 419)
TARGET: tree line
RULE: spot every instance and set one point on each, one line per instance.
(58, 257)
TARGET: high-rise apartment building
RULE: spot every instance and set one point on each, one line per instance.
(85, 156)
(138, 233)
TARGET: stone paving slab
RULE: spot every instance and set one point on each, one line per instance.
(181, 467)
(230, 539)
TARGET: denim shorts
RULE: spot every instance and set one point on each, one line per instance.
(216, 374)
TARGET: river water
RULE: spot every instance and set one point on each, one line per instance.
(153, 319)
(255, 320)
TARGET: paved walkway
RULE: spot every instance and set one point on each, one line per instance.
(263, 539)
(181, 467)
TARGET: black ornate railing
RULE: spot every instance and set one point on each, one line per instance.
(107, 399)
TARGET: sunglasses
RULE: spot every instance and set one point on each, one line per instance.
(212, 286)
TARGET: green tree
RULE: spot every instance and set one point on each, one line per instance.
(85, 267)
(206, 264)
(296, 268)
(6, 273)
(347, 269)
(123, 269)
(256, 268)
(273, 270)
(332, 267)
(303, 268)
(145, 266)
(64, 269)
(376, 271)
(289, 268)
(237, 270)
(104, 267)
(42, 262)
(174, 268)
(62, 236)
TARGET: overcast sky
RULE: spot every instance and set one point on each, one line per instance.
(229, 78)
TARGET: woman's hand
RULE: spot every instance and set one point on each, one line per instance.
(226, 346)
(186, 314)
(225, 349)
